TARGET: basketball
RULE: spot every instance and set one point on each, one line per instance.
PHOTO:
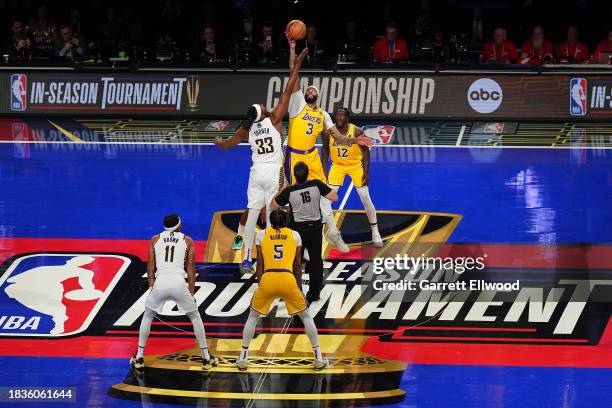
(296, 30)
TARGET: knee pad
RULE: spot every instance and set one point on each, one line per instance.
(149, 313)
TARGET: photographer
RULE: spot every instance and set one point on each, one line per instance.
(67, 45)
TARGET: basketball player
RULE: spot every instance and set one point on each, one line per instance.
(353, 161)
(262, 129)
(307, 121)
(168, 253)
(279, 273)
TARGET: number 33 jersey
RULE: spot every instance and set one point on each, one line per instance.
(170, 253)
(266, 143)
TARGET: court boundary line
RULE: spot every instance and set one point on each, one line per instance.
(387, 146)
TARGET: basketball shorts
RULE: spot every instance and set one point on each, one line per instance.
(278, 285)
(310, 158)
(171, 286)
(338, 172)
(263, 185)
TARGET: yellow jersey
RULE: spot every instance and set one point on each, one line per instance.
(278, 248)
(305, 123)
(345, 155)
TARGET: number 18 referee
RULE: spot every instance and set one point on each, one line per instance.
(304, 197)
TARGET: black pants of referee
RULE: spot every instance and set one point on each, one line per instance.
(312, 240)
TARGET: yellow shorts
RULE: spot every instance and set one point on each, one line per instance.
(278, 285)
(311, 159)
(338, 172)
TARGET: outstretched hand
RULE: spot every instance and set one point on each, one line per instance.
(302, 56)
(364, 141)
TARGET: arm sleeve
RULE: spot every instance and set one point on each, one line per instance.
(259, 237)
(297, 237)
(296, 103)
(327, 119)
(323, 188)
(283, 197)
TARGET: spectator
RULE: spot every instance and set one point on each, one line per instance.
(391, 47)
(111, 33)
(40, 29)
(315, 53)
(245, 28)
(76, 23)
(603, 47)
(538, 49)
(267, 48)
(499, 50)
(18, 44)
(572, 51)
(476, 29)
(206, 49)
(441, 48)
(350, 47)
(67, 45)
(422, 26)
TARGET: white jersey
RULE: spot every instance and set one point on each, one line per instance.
(266, 143)
(170, 253)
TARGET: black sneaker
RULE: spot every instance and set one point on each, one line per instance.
(136, 363)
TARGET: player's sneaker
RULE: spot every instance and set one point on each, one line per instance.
(336, 240)
(238, 242)
(246, 266)
(241, 364)
(377, 239)
(320, 364)
(210, 363)
(136, 363)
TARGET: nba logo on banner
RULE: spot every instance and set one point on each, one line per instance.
(380, 134)
(56, 294)
(578, 97)
(19, 84)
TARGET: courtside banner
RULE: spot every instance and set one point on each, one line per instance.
(368, 95)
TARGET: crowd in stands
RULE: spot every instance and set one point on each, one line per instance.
(244, 38)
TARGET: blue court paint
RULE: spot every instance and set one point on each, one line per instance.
(427, 386)
(123, 191)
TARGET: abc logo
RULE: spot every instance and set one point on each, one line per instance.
(485, 95)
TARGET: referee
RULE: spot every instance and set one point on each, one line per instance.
(304, 198)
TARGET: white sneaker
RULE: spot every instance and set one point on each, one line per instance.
(242, 364)
(336, 240)
(320, 364)
(377, 239)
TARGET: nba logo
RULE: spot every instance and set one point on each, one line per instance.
(55, 294)
(19, 84)
(578, 97)
(380, 134)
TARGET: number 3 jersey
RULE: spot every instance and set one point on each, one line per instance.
(278, 248)
(170, 253)
(266, 143)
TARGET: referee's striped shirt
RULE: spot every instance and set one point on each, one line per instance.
(304, 199)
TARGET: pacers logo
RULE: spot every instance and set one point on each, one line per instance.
(56, 294)
(485, 95)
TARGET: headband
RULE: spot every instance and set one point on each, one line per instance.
(258, 110)
(170, 229)
(313, 87)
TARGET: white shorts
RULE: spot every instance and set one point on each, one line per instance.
(171, 286)
(263, 185)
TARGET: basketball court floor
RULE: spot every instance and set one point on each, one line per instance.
(533, 201)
